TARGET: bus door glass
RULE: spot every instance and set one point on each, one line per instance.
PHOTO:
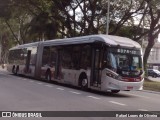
(28, 58)
(58, 65)
(96, 67)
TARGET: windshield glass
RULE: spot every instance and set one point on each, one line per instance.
(127, 62)
(157, 71)
(123, 63)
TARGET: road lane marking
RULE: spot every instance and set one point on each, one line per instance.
(39, 83)
(142, 109)
(75, 92)
(31, 81)
(24, 79)
(117, 103)
(141, 96)
(48, 85)
(60, 88)
(137, 95)
(94, 97)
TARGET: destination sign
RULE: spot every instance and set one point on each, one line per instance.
(126, 51)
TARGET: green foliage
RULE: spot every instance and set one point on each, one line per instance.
(151, 85)
(49, 19)
(35, 20)
(6, 41)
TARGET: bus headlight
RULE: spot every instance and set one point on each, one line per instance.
(113, 75)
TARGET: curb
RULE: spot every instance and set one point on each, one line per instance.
(150, 91)
(149, 79)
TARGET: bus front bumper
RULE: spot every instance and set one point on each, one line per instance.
(111, 84)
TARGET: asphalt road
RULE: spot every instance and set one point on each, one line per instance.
(25, 94)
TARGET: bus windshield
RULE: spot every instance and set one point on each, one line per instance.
(125, 64)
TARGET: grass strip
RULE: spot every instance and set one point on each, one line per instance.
(151, 85)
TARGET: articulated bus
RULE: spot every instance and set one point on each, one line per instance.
(99, 62)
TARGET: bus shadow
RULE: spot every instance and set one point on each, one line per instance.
(105, 94)
(109, 94)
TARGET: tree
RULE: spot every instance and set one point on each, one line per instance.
(5, 41)
(48, 19)
(40, 25)
(154, 26)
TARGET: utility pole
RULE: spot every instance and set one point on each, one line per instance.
(107, 22)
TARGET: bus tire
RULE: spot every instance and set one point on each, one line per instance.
(115, 91)
(83, 81)
(48, 76)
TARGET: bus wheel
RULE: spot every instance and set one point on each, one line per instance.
(48, 76)
(84, 83)
(115, 91)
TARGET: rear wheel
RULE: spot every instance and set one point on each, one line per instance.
(84, 83)
(115, 91)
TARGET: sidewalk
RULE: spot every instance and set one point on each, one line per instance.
(154, 79)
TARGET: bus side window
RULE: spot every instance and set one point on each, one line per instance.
(85, 56)
(66, 57)
(46, 56)
(53, 56)
(76, 57)
(109, 61)
(33, 55)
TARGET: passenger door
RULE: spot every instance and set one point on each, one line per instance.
(28, 58)
(58, 65)
(96, 67)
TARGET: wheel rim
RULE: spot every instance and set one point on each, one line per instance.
(84, 82)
